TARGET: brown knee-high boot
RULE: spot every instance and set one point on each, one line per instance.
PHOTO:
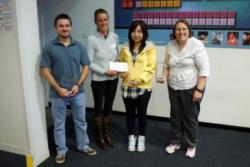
(106, 131)
(99, 133)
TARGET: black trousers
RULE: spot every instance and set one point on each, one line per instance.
(184, 117)
(104, 95)
(137, 107)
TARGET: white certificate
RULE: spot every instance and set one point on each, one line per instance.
(118, 66)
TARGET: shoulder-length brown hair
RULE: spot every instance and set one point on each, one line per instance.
(184, 22)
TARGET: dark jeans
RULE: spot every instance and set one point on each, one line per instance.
(184, 116)
(137, 106)
(104, 95)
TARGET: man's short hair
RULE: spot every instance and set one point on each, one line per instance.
(62, 16)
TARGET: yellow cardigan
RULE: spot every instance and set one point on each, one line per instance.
(144, 67)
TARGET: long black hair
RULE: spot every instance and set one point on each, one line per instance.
(144, 29)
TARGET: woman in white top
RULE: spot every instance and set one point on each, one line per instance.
(102, 48)
(186, 71)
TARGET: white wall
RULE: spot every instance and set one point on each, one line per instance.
(227, 94)
(227, 90)
(81, 12)
(13, 121)
(22, 122)
(28, 31)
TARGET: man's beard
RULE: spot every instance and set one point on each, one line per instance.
(64, 36)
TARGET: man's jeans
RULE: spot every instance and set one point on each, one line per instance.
(59, 109)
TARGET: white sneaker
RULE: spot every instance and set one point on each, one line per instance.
(191, 151)
(172, 147)
(141, 143)
(60, 158)
(131, 143)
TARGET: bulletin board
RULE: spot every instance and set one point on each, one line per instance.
(217, 23)
(6, 16)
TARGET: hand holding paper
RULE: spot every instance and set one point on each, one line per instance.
(118, 66)
(111, 73)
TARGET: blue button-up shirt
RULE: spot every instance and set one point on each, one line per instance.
(65, 63)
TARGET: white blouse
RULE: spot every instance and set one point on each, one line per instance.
(187, 64)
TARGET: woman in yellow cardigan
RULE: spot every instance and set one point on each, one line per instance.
(137, 82)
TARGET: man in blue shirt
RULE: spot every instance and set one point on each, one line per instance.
(64, 64)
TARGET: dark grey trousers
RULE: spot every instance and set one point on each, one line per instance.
(184, 117)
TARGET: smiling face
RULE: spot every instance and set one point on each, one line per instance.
(181, 32)
(137, 34)
(63, 28)
(102, 23)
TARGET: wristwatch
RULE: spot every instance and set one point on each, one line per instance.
(199, 90)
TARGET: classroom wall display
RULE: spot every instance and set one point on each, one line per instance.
(246, 38)
(232, 38)
(217, 23)
(6, 16)
(198, 19)
(203, 36)
(217, 38)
